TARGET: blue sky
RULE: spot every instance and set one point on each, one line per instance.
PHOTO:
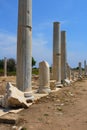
(72, 14)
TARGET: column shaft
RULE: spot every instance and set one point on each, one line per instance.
(85, 67)
(56, 52)
(80, 69)
(24, 45)
(5, 66)
(63, 55)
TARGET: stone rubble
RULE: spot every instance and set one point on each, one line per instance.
(13, 98)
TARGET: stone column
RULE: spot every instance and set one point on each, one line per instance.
(86, 70)
(24, 47)
(80, 69)
(69, 73)
(5, 66)
(85, 67)
(56, 52)
(63, 55)
(68, 69)
(44, 77)
(72, 75)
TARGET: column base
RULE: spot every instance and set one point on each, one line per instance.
(29, 97)
(58, 85)
(44, 90)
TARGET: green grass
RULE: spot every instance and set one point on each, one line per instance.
(35, 71)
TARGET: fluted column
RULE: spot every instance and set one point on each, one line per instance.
(63, 55)
(85, 67)
(56, 52)
(24, 46)
(80, 69)
(5, 66)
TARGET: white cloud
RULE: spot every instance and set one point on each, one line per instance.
(40, 47)
(41, 50)
(7, 45)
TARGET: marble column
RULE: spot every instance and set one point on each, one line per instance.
(72, 74)
(86, 70)
(68, 72)
(80, 69)
(85, 67)
(56, 52)
(63, 55)
(5, 66)
(44, 77)
(24, 47)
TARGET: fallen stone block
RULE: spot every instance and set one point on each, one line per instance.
(9, 118)
(67, 82)
(13, 98)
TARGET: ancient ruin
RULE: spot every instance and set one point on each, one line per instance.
(80, 69)
(50, 91)
(63, 55)
(56, 52)
(44, 77)
(13, 98)
(5, 66)
(24, 47)
(85, 70)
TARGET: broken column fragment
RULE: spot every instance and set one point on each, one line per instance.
(44, 77)
(13, 98)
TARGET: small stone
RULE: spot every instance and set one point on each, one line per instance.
(67, 81)
(59, 108)
(71, 94)
(20, 128)
(14, 128)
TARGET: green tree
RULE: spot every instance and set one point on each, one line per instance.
(11, 65)
(33, 62)
(1, 64)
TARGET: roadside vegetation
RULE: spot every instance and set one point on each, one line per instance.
(11, 67)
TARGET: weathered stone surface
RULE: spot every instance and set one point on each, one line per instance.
(5, 66)
(63, 55)
(67, 82)
(58, 85)
(68, 69)
(85, 67)
(13, 97)
(14, 128)
(56, 52)
(80, 69)
(9, 118)
(24, 46)
(52, 84)
(44, 77)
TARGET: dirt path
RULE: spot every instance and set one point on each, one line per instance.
(63, 110)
